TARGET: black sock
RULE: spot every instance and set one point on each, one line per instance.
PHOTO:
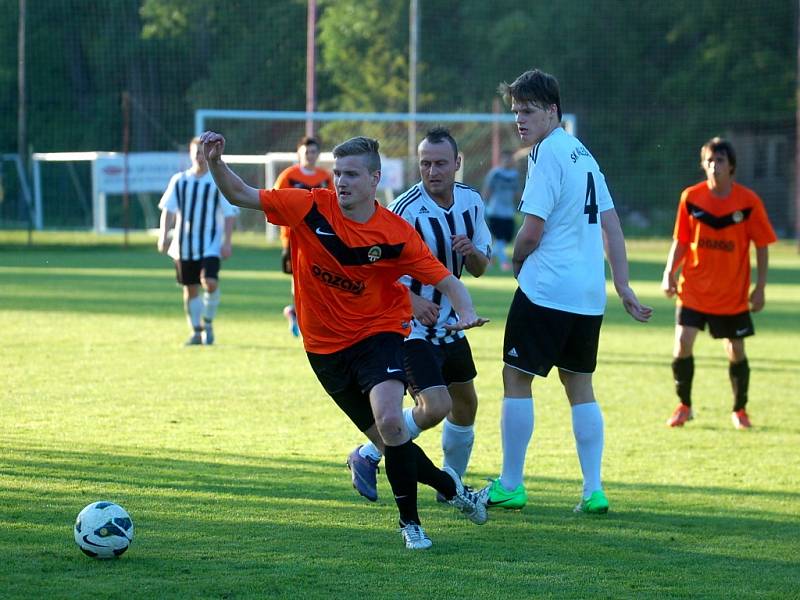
(401, 471)
(429, 474)
(740, 382)
(683, 372)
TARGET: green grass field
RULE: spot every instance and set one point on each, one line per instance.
(230, 459)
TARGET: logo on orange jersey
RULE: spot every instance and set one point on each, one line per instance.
(374, 253)
(337, 281)
(711, 244)
(737, 216)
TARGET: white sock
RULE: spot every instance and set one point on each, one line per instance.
(370, 450)
(457, 443)
(516, 429)
(411, 424)
(587, 425)
(210, 304)
(194, 308)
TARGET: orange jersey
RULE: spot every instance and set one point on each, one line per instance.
(295, 177)
(715, 277)
(346, 273)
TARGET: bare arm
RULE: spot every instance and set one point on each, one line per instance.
(475, 261)
(166, 225)
(677, 253)
(425, 311)
(451, 287)
(226, 250)
(527, 240)
(757, 298)
(229, 183)
(618, 259)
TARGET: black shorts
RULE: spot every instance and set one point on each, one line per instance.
(502, 228)
(428, 365)
(720, 326)
(348, 375)
(539, 338)
(187, 272)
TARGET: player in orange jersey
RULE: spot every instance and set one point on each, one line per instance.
(304, 175)
(717, 220)
(347, 254)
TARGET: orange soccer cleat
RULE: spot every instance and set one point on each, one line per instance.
(682, 414)
(740, 419)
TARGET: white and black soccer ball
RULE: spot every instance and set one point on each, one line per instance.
(103, 530)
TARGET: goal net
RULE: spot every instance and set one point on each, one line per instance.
(85, 189)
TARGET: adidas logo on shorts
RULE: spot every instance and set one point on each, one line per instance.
(513, 352)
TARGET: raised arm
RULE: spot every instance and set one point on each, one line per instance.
(618, 259)
(229, 183)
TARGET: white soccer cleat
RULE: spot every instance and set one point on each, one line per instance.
(466, 501)
(415, 537)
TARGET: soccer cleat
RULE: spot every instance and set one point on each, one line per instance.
(740, 419)
(415, 537)
(208, 334)
(466, 501)
(495, 495)
(442, 500)
(363, 472)
(681, 415)
(196, 339)
(596, 504)
(291, 316)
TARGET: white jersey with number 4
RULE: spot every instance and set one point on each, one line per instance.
(566, 189)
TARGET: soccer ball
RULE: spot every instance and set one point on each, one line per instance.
(103, 530)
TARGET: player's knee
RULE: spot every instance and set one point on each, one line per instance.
(390, 427)
(210, 285)
(735, 350)
(464, 410)
(435, 404)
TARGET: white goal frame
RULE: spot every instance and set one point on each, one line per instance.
(201, 115)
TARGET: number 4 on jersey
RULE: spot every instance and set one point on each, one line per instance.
(590, 205)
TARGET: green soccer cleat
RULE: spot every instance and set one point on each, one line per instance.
(596, 504)
(495, 495)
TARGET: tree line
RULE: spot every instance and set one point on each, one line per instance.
(649, 81)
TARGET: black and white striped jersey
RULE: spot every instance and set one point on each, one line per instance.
(200, 212)
(436, 226)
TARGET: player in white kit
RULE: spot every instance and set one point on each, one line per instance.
(556, 313)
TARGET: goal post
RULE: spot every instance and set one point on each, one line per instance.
(480, 136)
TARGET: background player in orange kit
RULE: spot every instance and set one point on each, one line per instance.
(304, 175)
(717, 219)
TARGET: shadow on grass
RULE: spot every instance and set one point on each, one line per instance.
(228, 523)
